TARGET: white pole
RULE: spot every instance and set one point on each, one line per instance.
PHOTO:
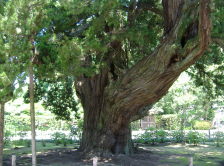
(13, 160)
(95, 159)
(191, 161)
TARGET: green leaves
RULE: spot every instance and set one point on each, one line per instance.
(6, 90)
(58, 96)
(4, 80)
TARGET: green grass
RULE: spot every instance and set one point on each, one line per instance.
(21, 149)
(203, 155)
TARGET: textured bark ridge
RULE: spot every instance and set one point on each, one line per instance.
(110, 103)
(171, 11)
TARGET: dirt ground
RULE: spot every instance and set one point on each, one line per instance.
(64, 157)
(145, 156)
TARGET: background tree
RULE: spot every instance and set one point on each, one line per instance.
(188, 102)
(7, 77)
(22, 21)
(5, 96)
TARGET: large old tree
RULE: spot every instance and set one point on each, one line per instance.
(118, 94)
(124, 55)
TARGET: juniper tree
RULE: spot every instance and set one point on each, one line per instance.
(124, 56)
(6, 93)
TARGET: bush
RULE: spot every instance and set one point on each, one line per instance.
(7, 137)
(152, 137)
(58, 138)
(168, 121)
(160, 136)
(148, 137)
(178, 136)
(219, 137)
(135, 125)
(202, 125)
(22, 142)
(27, 143)
(76, 130)
(194, 137)
(43, 143)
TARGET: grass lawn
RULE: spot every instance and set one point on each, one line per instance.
(21, 150)
(178, 154)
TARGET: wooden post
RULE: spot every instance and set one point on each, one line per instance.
(95, 160)
(191, 161)
(13, 160)
(209, 134)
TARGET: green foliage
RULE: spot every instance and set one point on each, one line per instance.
(57, 137)
(17, 120)
(60, 138)
(202, 125)
(21, 142)
(6, 88)
(57, 96)
(184, 105)
(194, 137)
(43, 143)
(219, 137)
(178, 136)
(135, 125)
(7, 137)
(152, 136)
(161, 135)
(67, 32)
(76, 130)
(168, 121)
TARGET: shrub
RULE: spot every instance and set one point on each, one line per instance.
(43, 143)
(152, 137)
(178, 136)
(135, 125)
(202, 125)
(27, 143)
(160, 136)
(194, 137)
(58, 138)
(168, 121)
(7, 137)
(148, 138)
(139, 139)
(76, 130)
(219, 137)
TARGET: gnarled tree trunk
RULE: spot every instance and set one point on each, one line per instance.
(111, 104)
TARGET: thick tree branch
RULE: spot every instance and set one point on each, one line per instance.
(171, 12)
(196, 49)
(163, 66)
